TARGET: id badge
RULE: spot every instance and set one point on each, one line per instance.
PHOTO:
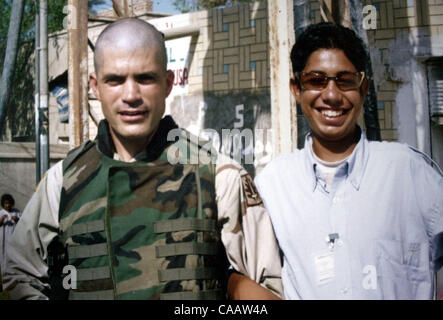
(324, 267)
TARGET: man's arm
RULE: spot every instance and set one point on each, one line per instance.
(241, 287)
(26, 273)
(247, 231)
(428, 183)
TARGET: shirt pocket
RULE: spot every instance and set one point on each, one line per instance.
(402, 270)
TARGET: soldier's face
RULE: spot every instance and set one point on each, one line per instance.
(132, 87)
(332, 113)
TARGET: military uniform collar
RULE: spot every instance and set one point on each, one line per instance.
(152, 151)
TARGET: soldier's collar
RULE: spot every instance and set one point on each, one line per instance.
(152, 151)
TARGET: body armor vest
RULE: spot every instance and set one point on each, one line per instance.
(140, 230)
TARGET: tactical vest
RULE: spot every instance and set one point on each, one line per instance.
(141, 230)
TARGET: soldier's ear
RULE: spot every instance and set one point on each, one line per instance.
(93, 82)
(169, 81)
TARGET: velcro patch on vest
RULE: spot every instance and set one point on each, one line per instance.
(186, 248)
(87, 251)
(85, 227)
(186, 274)
(94, 295)
(183, 224)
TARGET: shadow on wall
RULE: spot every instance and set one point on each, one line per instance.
(406, 68)
(240, 123)
(250, 113)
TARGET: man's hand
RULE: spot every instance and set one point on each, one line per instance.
(241, 287)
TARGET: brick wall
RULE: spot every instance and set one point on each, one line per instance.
(232, 53)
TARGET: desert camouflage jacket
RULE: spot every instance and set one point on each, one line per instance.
(147, 229)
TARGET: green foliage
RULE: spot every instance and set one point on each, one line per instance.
(20, 115)
(185, 6)
(27, 30)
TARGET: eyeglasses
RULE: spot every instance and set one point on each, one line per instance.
(318, 80)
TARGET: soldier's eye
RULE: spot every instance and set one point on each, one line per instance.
(146, 78)
(114, 80)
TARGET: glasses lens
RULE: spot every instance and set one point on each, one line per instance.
(348, 80)
(313, 81)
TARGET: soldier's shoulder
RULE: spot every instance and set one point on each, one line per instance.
(224, 162)
(76, 152)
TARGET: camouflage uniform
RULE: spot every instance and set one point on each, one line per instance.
(146, 229)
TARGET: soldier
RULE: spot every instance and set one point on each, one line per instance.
(122, 220)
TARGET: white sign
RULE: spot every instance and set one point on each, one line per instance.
(178, 61)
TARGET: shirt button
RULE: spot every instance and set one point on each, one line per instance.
(344, 290)
(336, 200)
(339, 243)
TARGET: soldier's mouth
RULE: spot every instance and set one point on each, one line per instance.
(133, 115)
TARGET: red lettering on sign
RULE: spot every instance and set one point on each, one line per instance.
(181, 77)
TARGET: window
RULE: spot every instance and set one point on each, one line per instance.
(435, 87)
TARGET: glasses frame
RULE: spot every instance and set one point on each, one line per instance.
(335, 78)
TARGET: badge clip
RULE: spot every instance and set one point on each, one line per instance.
(330, 239)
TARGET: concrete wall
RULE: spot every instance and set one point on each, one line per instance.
(17, 169)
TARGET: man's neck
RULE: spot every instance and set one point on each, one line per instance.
(127, 149)
(333, 151)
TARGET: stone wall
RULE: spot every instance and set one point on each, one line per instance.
(17, 169)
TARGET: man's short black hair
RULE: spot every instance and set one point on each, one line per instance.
(7, 197)
(327, 35)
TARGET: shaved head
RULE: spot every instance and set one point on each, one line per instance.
(129, 34)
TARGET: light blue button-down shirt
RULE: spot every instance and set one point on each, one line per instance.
(385, 205)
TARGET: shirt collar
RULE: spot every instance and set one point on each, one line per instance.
(355, 164)
(152, 151)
